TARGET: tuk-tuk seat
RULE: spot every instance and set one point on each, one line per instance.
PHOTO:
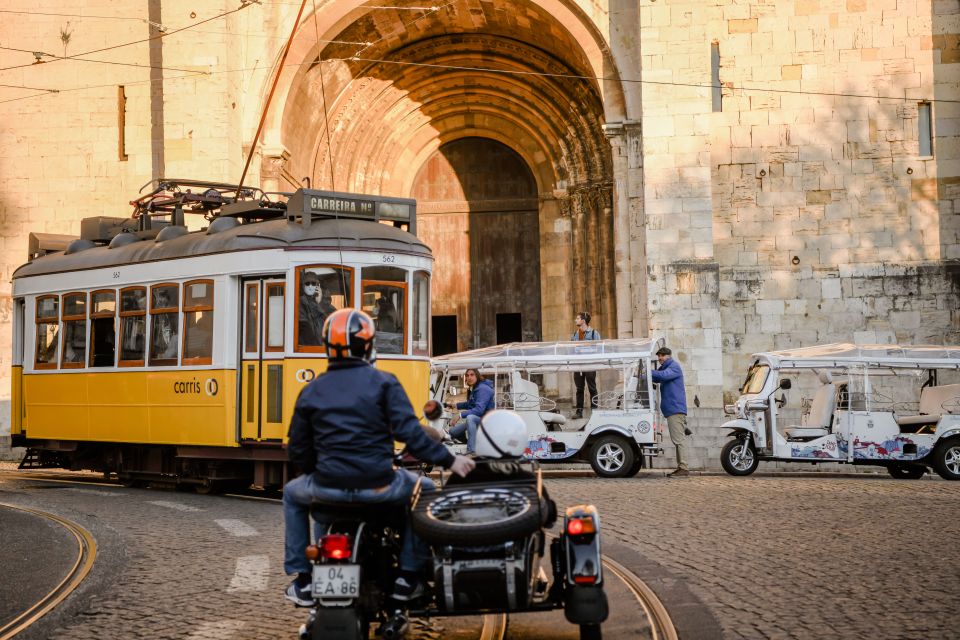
(932, 400)
(816, 422)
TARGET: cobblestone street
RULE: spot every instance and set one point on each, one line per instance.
(767, 557)
(789, 557)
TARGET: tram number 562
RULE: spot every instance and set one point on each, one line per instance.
(388, 259)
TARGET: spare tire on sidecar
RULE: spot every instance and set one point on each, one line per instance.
(499, 501)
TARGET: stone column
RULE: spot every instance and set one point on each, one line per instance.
(629, 228)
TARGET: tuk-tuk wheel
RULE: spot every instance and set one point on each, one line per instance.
(739, 458)
(946, 459)
(906, 471)
(612, 456)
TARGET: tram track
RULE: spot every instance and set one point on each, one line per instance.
(494, 626)
(86, 554)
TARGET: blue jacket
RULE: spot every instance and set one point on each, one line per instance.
(480, 400)
(345, 423)
(673, 397)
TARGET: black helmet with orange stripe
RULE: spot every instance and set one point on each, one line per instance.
(348, 333)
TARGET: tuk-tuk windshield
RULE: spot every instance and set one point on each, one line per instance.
(756, 377)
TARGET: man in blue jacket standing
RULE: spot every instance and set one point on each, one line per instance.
(341, 437)
(673, 405)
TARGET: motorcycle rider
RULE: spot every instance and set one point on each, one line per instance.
(341, 437)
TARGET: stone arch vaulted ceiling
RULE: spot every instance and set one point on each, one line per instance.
(432, 77)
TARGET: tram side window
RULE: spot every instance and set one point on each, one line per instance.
(48, 332)
(164, 324)
(133, 326)
(421, 313)
(74, 330)
(322, 290)
(103, 328)
(384, 298)
(198, 322)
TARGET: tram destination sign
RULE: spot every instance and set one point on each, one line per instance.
(309, 203)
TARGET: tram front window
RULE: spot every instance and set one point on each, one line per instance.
(384, 298)
(322, 290)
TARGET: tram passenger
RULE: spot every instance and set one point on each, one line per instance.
(387, 320)
(310, 315)
(341, 437)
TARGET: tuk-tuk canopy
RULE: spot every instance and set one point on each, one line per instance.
(847, 355)
(588, 355)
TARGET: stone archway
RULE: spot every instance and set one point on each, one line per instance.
(508, 71)
(477, 208)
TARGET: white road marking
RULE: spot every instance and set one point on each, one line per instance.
(252, 574)
(174, 505)
(237, 528)
(94, 492)
(216, 630)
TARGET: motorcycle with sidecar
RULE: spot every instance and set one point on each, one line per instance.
(488, 537)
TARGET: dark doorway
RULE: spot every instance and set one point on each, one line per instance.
(509, 328)
(478, 210)
(444, 335)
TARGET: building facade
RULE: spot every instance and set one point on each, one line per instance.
(738, 175)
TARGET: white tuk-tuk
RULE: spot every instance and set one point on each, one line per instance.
(616, 438)
(896, 406)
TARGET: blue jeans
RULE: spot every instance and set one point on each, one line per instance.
(300, 492)
(470, 425)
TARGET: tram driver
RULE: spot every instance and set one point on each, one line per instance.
(310, 313)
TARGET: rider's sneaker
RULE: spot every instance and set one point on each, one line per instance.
(407, 588)
(300, 596)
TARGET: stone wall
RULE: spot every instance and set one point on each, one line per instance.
(804, 214)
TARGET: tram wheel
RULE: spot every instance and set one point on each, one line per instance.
(906, 471)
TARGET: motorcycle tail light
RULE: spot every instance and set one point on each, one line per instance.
(585, 579)
(580, 526)
(335, 547)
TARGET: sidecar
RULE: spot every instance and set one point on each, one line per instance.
(488, 536)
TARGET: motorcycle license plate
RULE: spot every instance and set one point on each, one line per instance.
(336, 580)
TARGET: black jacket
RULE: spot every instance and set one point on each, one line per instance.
(345, 423)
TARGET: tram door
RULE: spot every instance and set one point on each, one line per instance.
(261, 367)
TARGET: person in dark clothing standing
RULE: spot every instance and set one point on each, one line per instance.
(673, 405)
(585, 332)
(341, 438)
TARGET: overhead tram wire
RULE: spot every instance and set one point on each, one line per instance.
(570, 76)
(273, 88)
(326, 125)
(243, 5)
(110, 62)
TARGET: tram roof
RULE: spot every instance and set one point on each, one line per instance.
(554, 356)
(346, 234)
(845, 355)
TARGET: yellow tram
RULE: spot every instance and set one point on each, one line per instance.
(164, 355)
